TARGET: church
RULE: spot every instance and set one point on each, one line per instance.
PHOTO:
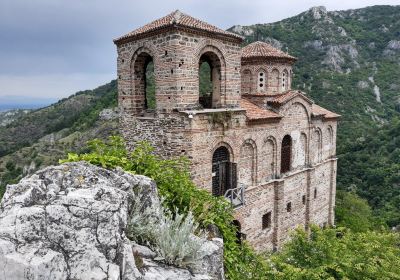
(267, 148)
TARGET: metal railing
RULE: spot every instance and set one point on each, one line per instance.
(235, 196)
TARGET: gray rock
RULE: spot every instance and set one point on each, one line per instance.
(316, 44)
(211, 264)
(156, 271)
(394, 45)
(318, 12)
(109, 114)
(363, 84)
(69, 222)
(143, 251)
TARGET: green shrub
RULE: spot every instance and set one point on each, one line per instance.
(172, 237)
(338, 254)
(180, 196)
(354, 212)
(325, 254)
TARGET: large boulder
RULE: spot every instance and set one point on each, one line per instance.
(69, 222)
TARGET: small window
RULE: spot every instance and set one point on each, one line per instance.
(266, 220)
(289, 207)
(261, 84)
(284, 80)
(315, 193)
(304, 199)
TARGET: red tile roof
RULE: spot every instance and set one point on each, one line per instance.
(319, 111)
(261, 49)
(282, 98)
(177, 18)
(253, 112)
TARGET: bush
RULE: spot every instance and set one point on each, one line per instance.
(181, 197)
(354, 212)
(339, 254)
(171, 237)
(324, 254)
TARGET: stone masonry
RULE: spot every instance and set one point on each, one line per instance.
(266, 147)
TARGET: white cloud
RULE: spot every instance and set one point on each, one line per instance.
(51, 86)
(55, 48)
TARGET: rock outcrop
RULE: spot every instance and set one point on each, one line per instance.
(69, 222)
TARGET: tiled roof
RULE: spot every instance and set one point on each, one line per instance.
(253, 112)
(177, 18)
(262, 49)
(282, 98)
(319, 111)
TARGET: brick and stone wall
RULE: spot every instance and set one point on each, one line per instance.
(257, 150)
(275, 202)
(266, 77)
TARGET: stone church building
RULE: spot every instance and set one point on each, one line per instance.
(269, 149)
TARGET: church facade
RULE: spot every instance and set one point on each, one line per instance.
(269, 149)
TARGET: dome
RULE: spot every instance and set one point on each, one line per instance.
(264, 50)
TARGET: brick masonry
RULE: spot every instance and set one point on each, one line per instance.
(179, 126)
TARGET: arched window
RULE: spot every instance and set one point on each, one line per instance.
(330, 141)
(246, 82)
(143, 82)
(270, 158)
(317, 145)
(285, 79)
(247, 164)
(261, 81)
(303, 150)
(286, 154)
(150, 87)
(210, 80)
(274, 80)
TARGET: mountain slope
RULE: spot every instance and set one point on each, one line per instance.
(76, 112)
(41, 137)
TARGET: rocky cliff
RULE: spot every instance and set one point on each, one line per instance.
(70, 222)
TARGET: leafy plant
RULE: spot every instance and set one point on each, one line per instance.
(338, 254)
(172, 237)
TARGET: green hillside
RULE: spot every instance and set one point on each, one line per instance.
(41, 137)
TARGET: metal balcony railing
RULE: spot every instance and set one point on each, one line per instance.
(235, 196)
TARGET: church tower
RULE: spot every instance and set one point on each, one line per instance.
(251, 138)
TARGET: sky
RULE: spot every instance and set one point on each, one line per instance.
(50, 49)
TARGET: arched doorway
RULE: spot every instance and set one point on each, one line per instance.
(223, 172)
(209, 80)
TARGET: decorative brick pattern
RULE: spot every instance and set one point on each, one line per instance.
(248, 118)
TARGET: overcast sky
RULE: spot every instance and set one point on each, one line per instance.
(53, 48)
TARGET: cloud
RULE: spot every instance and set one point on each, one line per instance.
(50, 85)
(64, 39)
